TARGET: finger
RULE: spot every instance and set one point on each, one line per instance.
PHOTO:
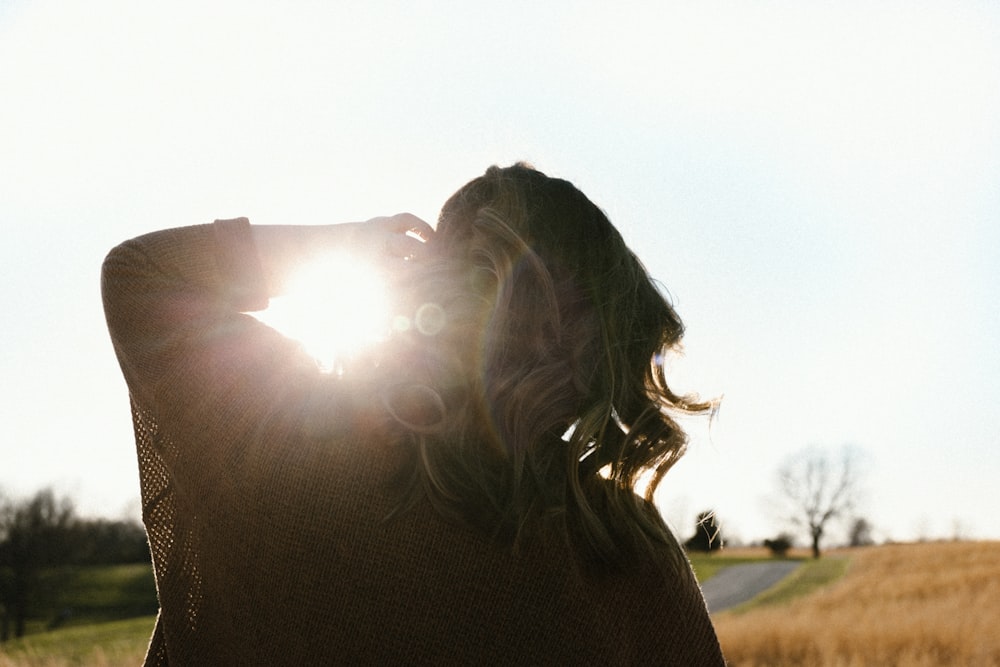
(404, 245)
(407, 222)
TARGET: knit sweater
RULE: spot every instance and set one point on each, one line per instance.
(275, 542)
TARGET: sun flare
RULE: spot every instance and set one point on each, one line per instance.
(335, 306)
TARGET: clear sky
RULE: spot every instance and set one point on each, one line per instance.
(816, 184)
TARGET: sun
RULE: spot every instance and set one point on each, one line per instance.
(335, 306)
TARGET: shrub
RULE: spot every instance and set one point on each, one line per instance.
(780, 545)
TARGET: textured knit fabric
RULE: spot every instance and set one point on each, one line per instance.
(270, 538)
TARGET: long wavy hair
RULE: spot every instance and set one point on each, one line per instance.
(533, 388)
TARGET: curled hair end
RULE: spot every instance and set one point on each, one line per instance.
(417, 407)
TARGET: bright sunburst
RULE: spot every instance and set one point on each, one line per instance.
(334, 306)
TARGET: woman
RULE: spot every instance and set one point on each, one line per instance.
(461, 494)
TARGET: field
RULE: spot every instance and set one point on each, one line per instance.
(107, 644)
(912, 605)
(102, 614)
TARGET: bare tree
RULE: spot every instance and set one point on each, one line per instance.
(819, 487)
(34, 533)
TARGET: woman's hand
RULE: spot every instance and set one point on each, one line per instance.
(384, 241)
(388, 238)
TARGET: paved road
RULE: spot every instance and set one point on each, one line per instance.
(739, 583)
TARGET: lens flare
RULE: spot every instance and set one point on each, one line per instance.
(335, 306)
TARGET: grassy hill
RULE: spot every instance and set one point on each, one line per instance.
(72, 596)
(102, 644)
(95, 615)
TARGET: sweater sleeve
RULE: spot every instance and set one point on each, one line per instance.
(210, 378)
(161, 288)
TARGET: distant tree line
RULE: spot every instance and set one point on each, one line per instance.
(43, 532)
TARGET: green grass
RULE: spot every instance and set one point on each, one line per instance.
(117, 591)
(108, 643)
(95, 615)
(72, 596)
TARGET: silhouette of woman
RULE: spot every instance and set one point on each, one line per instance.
(461, 493)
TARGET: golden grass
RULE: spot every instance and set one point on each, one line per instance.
(910, 605)
(95, 658)
(108, 644)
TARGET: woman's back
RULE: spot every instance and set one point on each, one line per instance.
(305, 569)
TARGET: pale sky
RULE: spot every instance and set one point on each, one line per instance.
(817, 185)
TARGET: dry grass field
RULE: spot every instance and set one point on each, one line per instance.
(907, 605)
